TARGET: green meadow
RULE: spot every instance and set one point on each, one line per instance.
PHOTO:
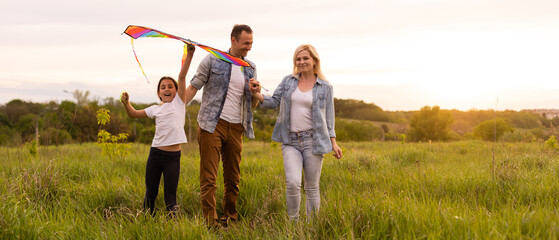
(378, 190)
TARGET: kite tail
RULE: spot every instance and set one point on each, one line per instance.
(136, 56)
(184, 54)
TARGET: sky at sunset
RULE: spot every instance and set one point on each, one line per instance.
(397, 54)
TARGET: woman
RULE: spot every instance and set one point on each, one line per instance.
(305, 127)
(164, 155)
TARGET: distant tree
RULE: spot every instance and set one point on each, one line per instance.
(191, 117)
(86, 124)
(492, 129)
(9, 136)
(54, 136)
(385, 128)
(17, 108)
(357, 109)
(67, 114)
(430, 124)
(26, 126)
(522, 119)
(82, 98)
(555, 122)
(357, 130)
(539, 133)
(264, 122)
(4, 121)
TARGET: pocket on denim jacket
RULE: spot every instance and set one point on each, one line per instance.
(218, 79)
(322, 100)
(218, 71)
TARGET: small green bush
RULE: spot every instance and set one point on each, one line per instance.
(111, 145)
(551, 143)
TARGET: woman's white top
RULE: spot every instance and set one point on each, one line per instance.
(301, 111)
(169, 122)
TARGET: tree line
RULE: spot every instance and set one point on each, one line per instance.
(54, 123)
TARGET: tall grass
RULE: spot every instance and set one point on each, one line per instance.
(381, 190)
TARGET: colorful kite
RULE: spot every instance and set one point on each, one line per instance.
(137, 31)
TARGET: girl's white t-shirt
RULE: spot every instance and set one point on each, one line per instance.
(169, 122)
(301, 111)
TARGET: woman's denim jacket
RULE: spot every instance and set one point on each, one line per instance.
(322, 112)
(214, 75)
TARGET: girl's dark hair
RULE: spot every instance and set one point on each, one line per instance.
(161, 80)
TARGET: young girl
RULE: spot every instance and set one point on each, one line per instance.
(165, 152)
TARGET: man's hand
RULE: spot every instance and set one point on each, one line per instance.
(254, 86)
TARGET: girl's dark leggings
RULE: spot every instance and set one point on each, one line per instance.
(168, 163)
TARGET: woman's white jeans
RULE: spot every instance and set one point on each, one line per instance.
(298, 157)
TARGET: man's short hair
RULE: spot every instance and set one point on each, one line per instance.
(238, 29)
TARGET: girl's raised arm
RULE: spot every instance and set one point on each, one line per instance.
(182, 75)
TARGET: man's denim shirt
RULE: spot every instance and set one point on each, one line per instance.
(322, 112)
(214, 75)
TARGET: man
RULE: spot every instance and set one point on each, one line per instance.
(225, 113)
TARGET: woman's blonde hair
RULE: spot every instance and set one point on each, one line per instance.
(314, 55)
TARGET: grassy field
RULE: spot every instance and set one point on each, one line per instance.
(385, 190)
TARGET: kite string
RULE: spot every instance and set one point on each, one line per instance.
(136, 56)
(247, 81)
